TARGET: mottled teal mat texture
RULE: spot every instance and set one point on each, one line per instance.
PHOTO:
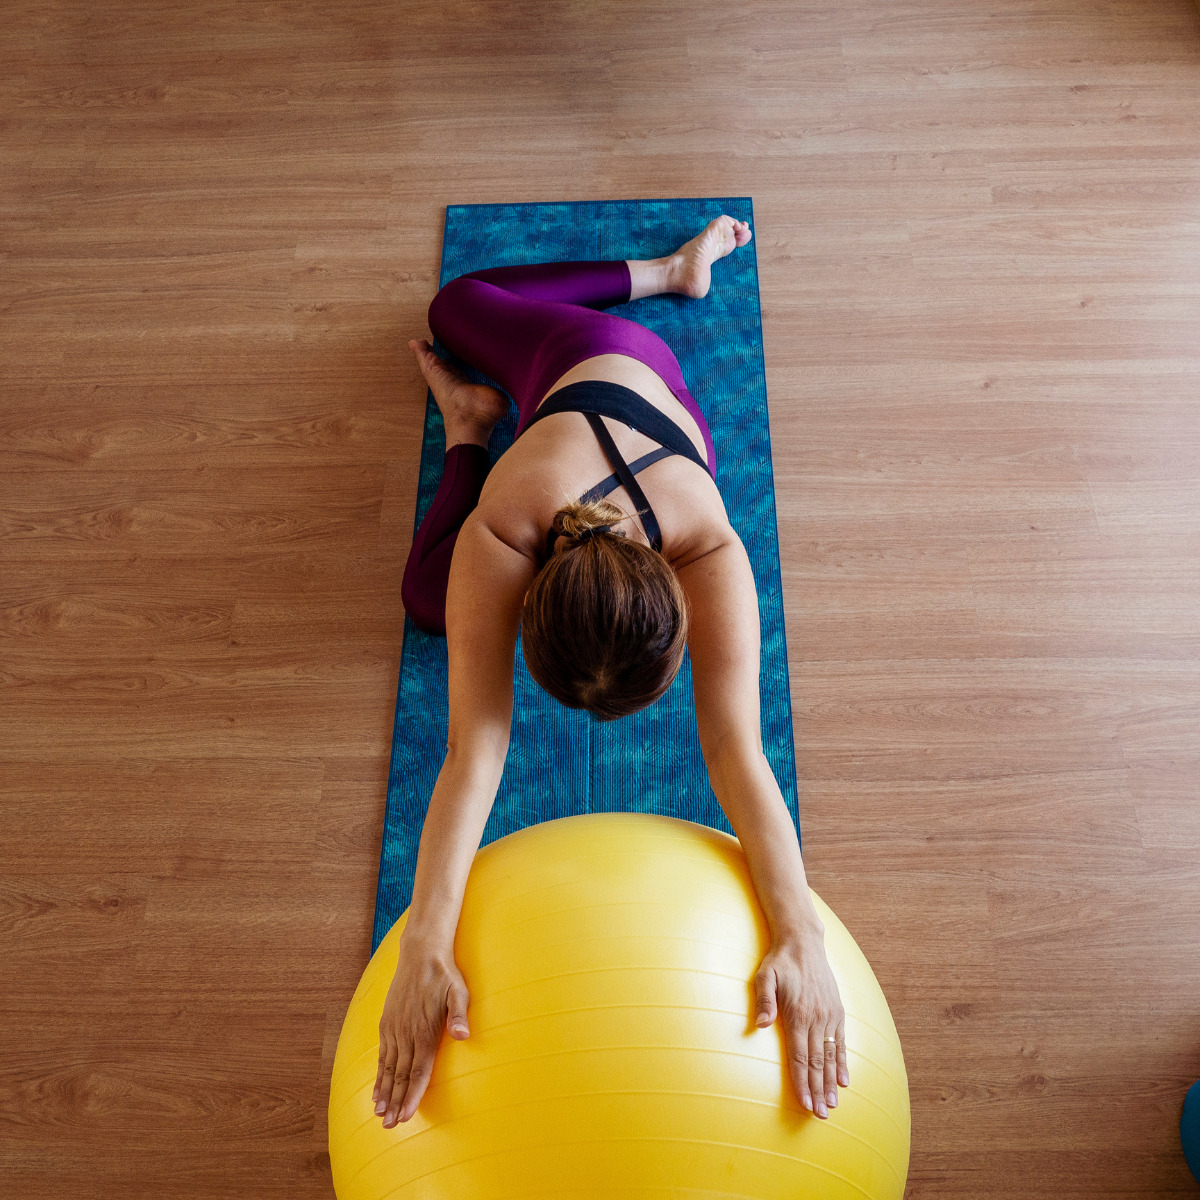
(560, 761)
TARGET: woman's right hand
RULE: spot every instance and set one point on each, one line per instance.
(427, 989)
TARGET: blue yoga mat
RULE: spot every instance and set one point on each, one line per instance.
(561, 761)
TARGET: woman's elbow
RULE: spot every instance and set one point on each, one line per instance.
(478, 752)
(731, 749)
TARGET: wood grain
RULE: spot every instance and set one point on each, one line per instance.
(977, 230)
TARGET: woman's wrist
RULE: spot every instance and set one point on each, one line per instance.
(430, 937)
(801, 929)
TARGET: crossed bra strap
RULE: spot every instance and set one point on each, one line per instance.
(623, 476)
(595, 398)
(626, 476)
(605, 486)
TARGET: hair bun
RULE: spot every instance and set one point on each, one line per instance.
(582, 520)
(591, 533)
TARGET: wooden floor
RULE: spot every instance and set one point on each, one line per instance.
(978, 227)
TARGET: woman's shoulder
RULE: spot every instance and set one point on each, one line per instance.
(521, 496)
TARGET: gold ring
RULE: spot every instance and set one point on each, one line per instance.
(833, 1040)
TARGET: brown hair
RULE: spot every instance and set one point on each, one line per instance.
(605, 622)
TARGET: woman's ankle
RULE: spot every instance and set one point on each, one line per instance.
(651, 277)
(462, 434)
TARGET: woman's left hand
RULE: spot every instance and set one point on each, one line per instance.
(796, 982)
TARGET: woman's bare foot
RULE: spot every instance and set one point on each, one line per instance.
(469, 410)
(690, 266)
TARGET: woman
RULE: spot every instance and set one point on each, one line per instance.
(606, 593)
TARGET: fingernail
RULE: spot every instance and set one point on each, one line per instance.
(808, 1103)
(832, 1098)
(380, 1107)
(821, 1110)
(844, 1079)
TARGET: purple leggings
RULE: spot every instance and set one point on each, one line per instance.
(524, 327)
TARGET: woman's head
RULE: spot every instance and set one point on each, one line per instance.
(605, 622)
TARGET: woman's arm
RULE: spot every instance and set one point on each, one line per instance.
(723, 642)
(488, 581)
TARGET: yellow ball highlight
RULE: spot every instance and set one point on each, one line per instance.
(610, 960)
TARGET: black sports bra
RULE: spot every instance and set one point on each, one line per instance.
(596, 398)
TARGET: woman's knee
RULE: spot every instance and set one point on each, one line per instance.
(451, 301)
(426, 605)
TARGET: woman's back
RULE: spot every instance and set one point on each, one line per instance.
(558, 458)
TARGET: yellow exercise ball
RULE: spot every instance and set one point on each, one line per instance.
(610, 960)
